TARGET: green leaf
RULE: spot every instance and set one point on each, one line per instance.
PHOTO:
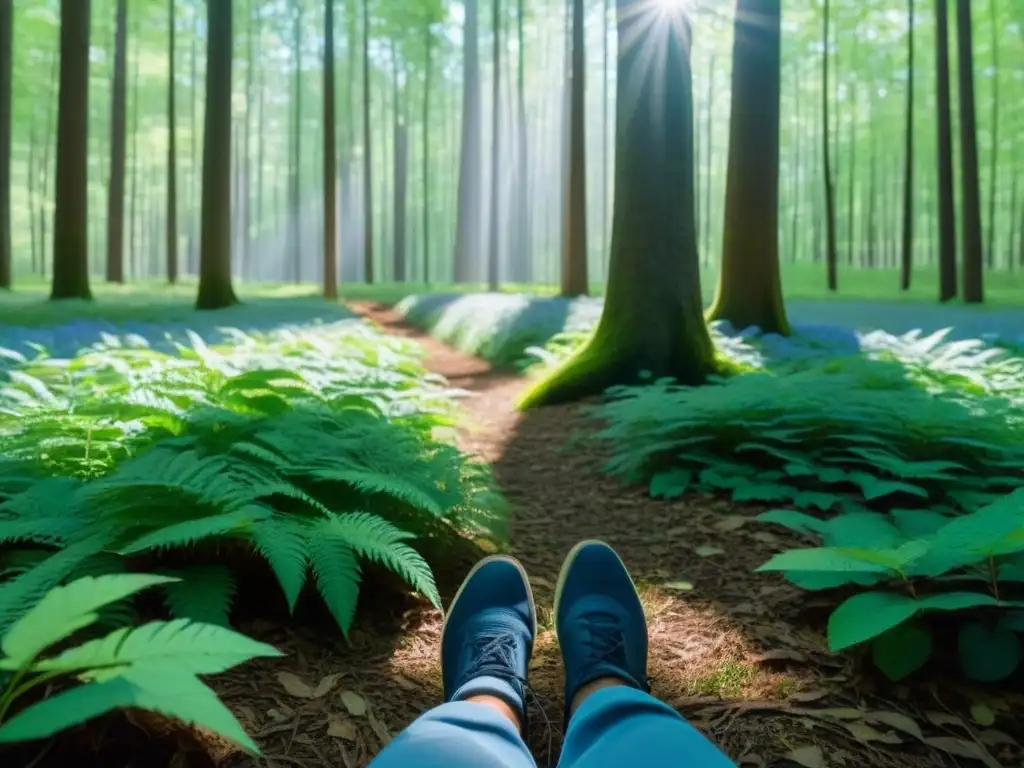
(902, 650)
(203, 594)
(862, 530)
(762, 492)
(795, 521)
(165, 689)
(671, 484)
(876, 488)
(866, 616)
(67, 609)
(830, 559)
(988, 653)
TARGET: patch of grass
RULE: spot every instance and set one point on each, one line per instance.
(725, 682)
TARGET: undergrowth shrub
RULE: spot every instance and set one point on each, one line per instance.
(315, 451)
(154, 666)
(908, 472)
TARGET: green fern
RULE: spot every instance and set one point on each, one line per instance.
(150, 667)
(337, 574)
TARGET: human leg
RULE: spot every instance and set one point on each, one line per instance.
(612, 720)
(486, 644)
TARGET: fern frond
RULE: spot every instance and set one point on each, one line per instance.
(284, 543)
(376, 539)
(189, 532)
(203, 594)
(338, 576)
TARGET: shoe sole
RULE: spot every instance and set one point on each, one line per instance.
(526, 580)
(567, 566)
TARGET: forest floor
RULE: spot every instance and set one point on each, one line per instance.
(741, 655)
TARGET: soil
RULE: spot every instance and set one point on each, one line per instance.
(741, 655)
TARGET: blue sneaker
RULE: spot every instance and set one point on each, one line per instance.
(488, 635)
(599, 621)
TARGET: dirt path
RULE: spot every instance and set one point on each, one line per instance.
(729, 649)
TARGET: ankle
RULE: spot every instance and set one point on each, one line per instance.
(500, 706)
(593, 687)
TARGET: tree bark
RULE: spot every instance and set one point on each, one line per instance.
(652, 324)
(947, 220)
(907, 246)
(970, 194)
(367, 154)
(71, 211)
(574, 232)
(6, 123)
(215, 289)
(749, 284)
(494, 240)
(832, 253)
(330, 169)
(467, 233)
(172, 159)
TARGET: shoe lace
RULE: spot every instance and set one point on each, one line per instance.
(606, 641)
(494, 656)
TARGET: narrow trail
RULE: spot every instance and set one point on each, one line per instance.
(730, 649)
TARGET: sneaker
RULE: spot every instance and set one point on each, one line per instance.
(599, 621)
(488, 635)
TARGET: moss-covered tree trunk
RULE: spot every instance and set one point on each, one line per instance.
(652, 323)
(215, 290)
(749, 286)
(71, 210)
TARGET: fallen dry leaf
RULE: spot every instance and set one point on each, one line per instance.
(731, 523)
(804, 697)
(340, 728)
(865, 733)
(325, 686)
(708, 551)
(837, 713)
(294, 685)
(941, 719)
(809, 756)
(678, 586)
(404, 682)
(354, 703)
(963, 748)
(994, 738)
(896, 720)
(782, 654)
(381, 732)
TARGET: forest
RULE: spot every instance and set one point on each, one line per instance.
(308, 305)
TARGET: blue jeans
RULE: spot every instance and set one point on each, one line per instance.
(613, 728)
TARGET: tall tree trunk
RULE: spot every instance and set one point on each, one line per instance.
(708, 155)
(133, 195)
(605, 62)
(851, 201)
(6, 62)
(400, 199)
(652, 324)
(907, 249)
(574, 234)
(215, 289)
(367, 153)
(521, 258)
(172, 158)
(970, 194)
(330, 275)
(115, 186)
(993, 176)
(749, 284)
(245, 194)
(71, 211)
(832, 254)
(467, 233)
(295, 199)
(494, 243)
(947, 221)
(193, 228)
(428, 55)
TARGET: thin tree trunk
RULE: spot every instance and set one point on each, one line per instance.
(574, 243)
(330, 274)
(467, 233)
(993, 176)
(172, 158)
(831, 257)
(295, 201)
(428, 55)
(907, 249)
(947, 221)
(367, 153)
(970, 194)
(493, 255)
(6, 65)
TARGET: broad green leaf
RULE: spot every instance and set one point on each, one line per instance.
(826, 559)
(671, 484)
(988, 653)
(866, 530)
(866, 616)
(795, 521)
(166, 689)
(902, 650)
(67, 609)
